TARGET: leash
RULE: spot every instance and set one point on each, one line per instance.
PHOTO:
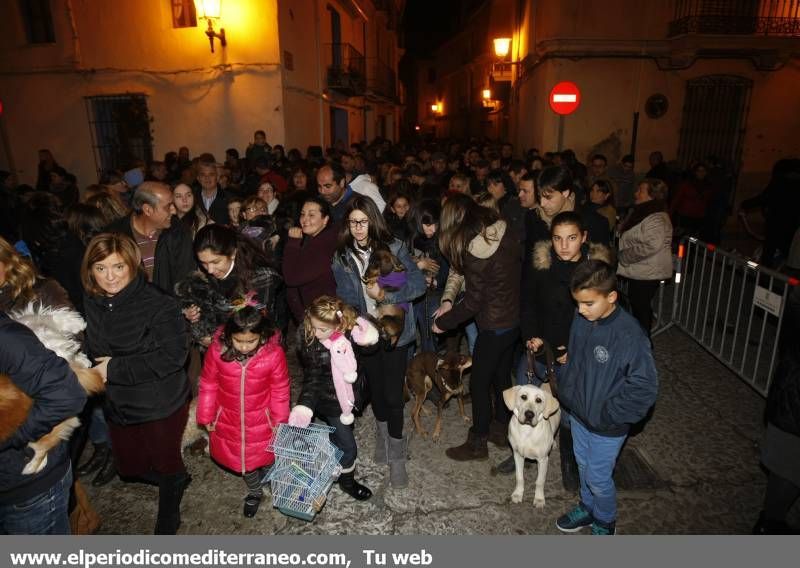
(550, 367)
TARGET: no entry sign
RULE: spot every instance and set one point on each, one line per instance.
(565, 98)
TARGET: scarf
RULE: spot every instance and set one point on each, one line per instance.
(640, 212)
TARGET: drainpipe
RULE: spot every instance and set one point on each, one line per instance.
(319, 77)
(76, 44)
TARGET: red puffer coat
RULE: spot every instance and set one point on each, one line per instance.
(245, 402)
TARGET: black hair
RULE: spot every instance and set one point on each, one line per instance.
(555, 178)
(337, 170)
(226, 241)
(379, 234)
(567, 218)
(628, 159)
(594, 275)
(516, 166)
(324, 206)
(248, 319)
(499, 176)
(600, 157)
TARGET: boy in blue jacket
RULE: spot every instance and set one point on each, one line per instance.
(610, 382)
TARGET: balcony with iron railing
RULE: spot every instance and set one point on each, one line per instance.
(382, 80)
(346, 69)
(736, 17)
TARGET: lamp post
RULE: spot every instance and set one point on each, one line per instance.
(211, 10)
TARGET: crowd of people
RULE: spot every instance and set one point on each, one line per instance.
(191, 274)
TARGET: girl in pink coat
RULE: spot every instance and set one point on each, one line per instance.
(244, 395)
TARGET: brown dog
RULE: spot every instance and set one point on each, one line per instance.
(391, 317)
(14, 408)
(427, 370)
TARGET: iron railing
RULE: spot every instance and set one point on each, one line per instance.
(736, 17)
(382, 80)
(120, 131)
(346, 69)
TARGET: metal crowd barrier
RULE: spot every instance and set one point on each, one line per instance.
(731, 306)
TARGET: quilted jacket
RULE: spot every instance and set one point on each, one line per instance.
(245, 401)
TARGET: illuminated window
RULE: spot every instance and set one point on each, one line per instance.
(184, 14)
(38, 21)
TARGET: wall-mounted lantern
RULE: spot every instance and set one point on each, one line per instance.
(436, 107)
(211, 10)
(487, 94)
(502, 46)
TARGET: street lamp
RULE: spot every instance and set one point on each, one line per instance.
(211, 10)
(502, 45)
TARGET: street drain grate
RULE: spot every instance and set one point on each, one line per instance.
(634, 472)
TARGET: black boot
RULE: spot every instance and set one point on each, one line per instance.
(99, 457)
(107, 472)
(505, 467)
(348, 484)
(251, 504)
(570, 478)
(170, 493)
(498, 433)
(474, 448)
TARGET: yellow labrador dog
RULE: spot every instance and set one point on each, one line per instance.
(531, 432)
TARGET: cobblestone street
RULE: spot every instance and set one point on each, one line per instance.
(702, 442)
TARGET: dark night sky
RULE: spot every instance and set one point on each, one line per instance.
(427, 23)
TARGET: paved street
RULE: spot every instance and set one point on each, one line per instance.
(702, 442)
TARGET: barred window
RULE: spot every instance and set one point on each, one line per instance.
(120, 129)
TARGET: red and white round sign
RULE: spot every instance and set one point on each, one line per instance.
(565, 98)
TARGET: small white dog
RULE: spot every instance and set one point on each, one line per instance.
(58, 329)
(531, 432)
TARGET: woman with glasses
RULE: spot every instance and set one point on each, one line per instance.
(362, 233)
(266, 191)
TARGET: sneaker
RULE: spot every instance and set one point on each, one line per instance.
(603, 529)
(575, 520)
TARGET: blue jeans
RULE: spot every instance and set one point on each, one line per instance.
(596, 456)
(98, 429)
(471, 331)
(344, 439)
(45, 513)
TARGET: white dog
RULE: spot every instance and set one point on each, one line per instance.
(58, 329)
(531, 432)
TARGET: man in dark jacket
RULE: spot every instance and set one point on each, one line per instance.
(334, 189)
(36, 504)
(165, 243)
(211, 198)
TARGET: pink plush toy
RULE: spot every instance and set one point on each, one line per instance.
(344, 370)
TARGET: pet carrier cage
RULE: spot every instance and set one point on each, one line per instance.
(306, 465)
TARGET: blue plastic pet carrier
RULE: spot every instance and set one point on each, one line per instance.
(306, 465)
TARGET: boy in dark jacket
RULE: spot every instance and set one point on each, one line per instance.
(610, 383)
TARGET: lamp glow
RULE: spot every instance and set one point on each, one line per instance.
(502, 45)
(487, 94)
(209, 8)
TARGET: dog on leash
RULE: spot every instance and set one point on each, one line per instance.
(426, 371)
(58, 330)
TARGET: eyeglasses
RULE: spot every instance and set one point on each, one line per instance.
(253, 209)
(358, 223)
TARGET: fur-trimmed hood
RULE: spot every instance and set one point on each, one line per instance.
(543, 254)
(487, 243)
